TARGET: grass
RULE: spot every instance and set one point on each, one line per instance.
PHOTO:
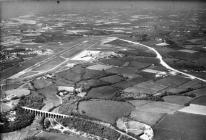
(172, 81)
(51, 98)
(105, 110)
(104, 92)
(10, 86)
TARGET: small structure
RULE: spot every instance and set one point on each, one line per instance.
(156, 72)
(63, 90)
(163, 44)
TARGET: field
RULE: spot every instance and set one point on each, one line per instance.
(121, 43)
(9, 86)
(138, 50)
(19, 92)
(41, 83)
(51, 98)
(143, 59)
(197, 92)
(107, 111)
(104, 92)
(172, 81)
(155, 87)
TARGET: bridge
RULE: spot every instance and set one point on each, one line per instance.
(57, 115)
(45, 113)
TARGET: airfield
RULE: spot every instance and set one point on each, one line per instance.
(124, 84)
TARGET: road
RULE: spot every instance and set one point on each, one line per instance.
(85, 44)
(163, 63)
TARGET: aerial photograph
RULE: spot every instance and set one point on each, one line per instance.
(103, 70)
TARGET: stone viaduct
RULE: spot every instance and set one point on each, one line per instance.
(45, 113)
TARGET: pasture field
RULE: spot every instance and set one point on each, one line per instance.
(10, 86)
(172, 81)
(41, 83)
(138, 50)
(194, 84)
(19, 92)
(118, 42)
(113, 61)
(138, 65)
(51, 99)
(112, 79)
(123, 70)
(88, 84)
(129, 83)
(143, 59)
(105, 110)
(104, 92)
(155, 87)
(197, 92)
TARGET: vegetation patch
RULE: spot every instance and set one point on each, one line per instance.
(51, 97)
(104, 92)
(143, 59)
(15, 120)
(94, 74)
(41, 83)
(93, 83)
(19, 118)
(69, 105)
(105, 110)
(129, 83)
(56, 136)
(91, 128)
(113, 61)
(172, 81)
(112, 79)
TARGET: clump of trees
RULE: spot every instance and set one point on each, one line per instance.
(22, 117)
(35, 138)
(91, 128)
(33, 100)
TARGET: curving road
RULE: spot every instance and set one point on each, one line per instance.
(163, 63)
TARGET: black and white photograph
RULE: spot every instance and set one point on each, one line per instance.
(103, 70)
